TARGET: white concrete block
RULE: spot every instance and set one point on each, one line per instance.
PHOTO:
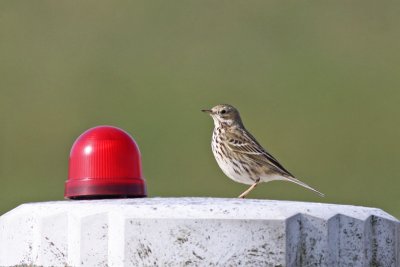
(197, 232)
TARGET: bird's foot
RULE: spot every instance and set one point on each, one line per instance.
(243, 195)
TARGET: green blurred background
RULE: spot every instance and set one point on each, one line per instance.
(316, 82)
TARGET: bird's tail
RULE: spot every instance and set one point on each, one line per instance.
(294, 180)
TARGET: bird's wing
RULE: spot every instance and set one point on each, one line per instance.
(244, 143)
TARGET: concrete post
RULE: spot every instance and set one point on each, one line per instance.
(197, 232)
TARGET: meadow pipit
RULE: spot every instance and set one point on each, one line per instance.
(240, 156)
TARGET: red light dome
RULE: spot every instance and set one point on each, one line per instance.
(104, 162)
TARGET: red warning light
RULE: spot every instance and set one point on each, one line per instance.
(104, 162)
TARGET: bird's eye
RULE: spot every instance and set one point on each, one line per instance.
(223, 111)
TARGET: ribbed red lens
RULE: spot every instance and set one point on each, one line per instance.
(105, 162)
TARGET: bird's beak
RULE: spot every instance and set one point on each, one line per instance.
(207, 111)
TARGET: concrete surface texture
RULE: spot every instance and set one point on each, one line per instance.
(197, 232)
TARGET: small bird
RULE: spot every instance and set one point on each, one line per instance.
(240, 156)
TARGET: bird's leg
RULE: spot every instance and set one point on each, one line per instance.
(245, 193)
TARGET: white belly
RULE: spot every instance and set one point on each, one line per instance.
(229, 169)
(238, 174)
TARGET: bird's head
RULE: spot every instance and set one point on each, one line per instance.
(224, 114)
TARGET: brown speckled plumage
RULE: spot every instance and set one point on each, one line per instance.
(240, 156)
